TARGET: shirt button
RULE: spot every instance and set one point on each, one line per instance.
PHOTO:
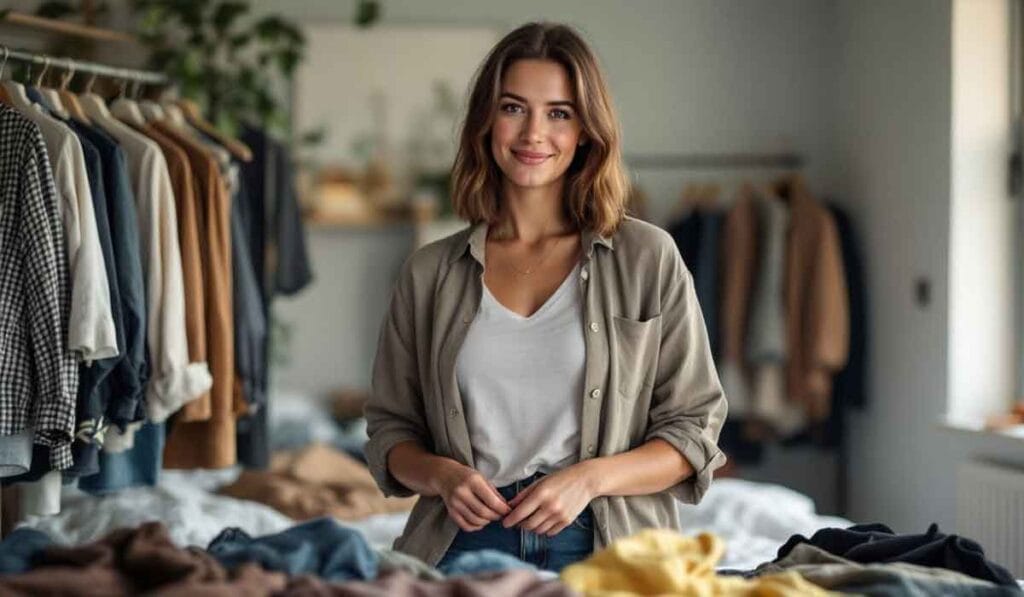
(454, 412)
(595, 393)
(593, 326)
(590, 449)
(584, 274)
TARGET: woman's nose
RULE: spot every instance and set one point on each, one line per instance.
(533, 128)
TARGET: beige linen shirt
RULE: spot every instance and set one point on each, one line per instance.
(649, 373)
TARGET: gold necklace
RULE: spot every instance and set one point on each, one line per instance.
(530, 270)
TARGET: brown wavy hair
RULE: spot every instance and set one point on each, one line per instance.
(596, 181)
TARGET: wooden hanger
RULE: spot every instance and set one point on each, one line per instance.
(70, 100)
(126, 109)
(3, 92)
(789, 186)
(49, 94)
(16, 93)
(237, 148)
(152, 110)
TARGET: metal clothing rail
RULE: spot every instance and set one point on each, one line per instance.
(711, 161)
(101, 70)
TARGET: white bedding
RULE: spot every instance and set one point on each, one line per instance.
(754, 519)
(182, 501)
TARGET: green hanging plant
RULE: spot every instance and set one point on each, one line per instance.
(222, 58)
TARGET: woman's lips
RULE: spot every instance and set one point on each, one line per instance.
(530, 158)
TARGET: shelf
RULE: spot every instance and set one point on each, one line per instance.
(369, 218)
(1015, 434)
(65, 28)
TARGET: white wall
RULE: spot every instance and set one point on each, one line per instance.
(893, 143)
(904, 136)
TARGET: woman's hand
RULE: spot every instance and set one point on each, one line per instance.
(552, 503)
(471, 500)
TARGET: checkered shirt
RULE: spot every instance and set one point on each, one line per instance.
(38, 374)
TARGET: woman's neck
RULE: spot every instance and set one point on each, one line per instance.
(533, 214)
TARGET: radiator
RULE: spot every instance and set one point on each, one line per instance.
(990, 510)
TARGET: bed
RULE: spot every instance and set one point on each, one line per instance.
(754, 519)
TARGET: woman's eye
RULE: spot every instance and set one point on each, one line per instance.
(511, 108)
(561, 114)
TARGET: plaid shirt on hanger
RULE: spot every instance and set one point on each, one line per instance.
(38, 374)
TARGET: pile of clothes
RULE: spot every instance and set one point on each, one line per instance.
(316, 481)
(324, 557)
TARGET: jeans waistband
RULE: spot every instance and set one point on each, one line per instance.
(512, 489)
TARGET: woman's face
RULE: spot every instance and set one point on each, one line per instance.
(537, 129)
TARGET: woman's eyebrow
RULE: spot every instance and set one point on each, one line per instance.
(523, 99)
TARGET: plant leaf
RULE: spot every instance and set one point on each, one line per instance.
(227, 13)
(367, 12)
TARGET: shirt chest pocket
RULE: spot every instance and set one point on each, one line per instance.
(635, 346)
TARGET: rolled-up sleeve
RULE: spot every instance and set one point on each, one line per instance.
(395, 410)
(688, 406)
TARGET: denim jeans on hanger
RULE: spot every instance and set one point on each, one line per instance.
(574, 543)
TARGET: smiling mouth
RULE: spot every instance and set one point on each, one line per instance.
(530, 159)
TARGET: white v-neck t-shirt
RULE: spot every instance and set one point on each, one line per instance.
(521, 380)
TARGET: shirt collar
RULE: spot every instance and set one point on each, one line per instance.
(476, 239)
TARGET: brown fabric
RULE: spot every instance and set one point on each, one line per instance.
(210, 443)
(739, 258)
(347, 405)
(817, 308)
(134, 561)
(185, 201)
(401, 584)
(316, 481)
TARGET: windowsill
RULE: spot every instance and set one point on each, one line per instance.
(977, 429)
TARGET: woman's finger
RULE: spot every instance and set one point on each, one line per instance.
(526, 506)
(545, 527)
(522, 495)
(460, 521)
(469, 515)
(557, 529)
(491, 498)
(480, 508)
(535, 520)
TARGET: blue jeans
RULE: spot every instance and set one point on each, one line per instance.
(574, 543)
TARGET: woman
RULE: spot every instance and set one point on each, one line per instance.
(543, 379)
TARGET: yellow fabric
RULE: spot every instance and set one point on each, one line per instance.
(662, 562)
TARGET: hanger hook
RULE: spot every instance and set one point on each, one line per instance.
(88, 83)
(46, 66)
(70, 74)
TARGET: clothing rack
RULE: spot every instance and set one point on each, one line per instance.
(92, 68)
(783, 161)
(713, 161)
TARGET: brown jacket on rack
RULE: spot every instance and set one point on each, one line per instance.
(194, 441)
(817, 307)
(739, 258)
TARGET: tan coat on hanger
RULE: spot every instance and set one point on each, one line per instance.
(817, 304)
